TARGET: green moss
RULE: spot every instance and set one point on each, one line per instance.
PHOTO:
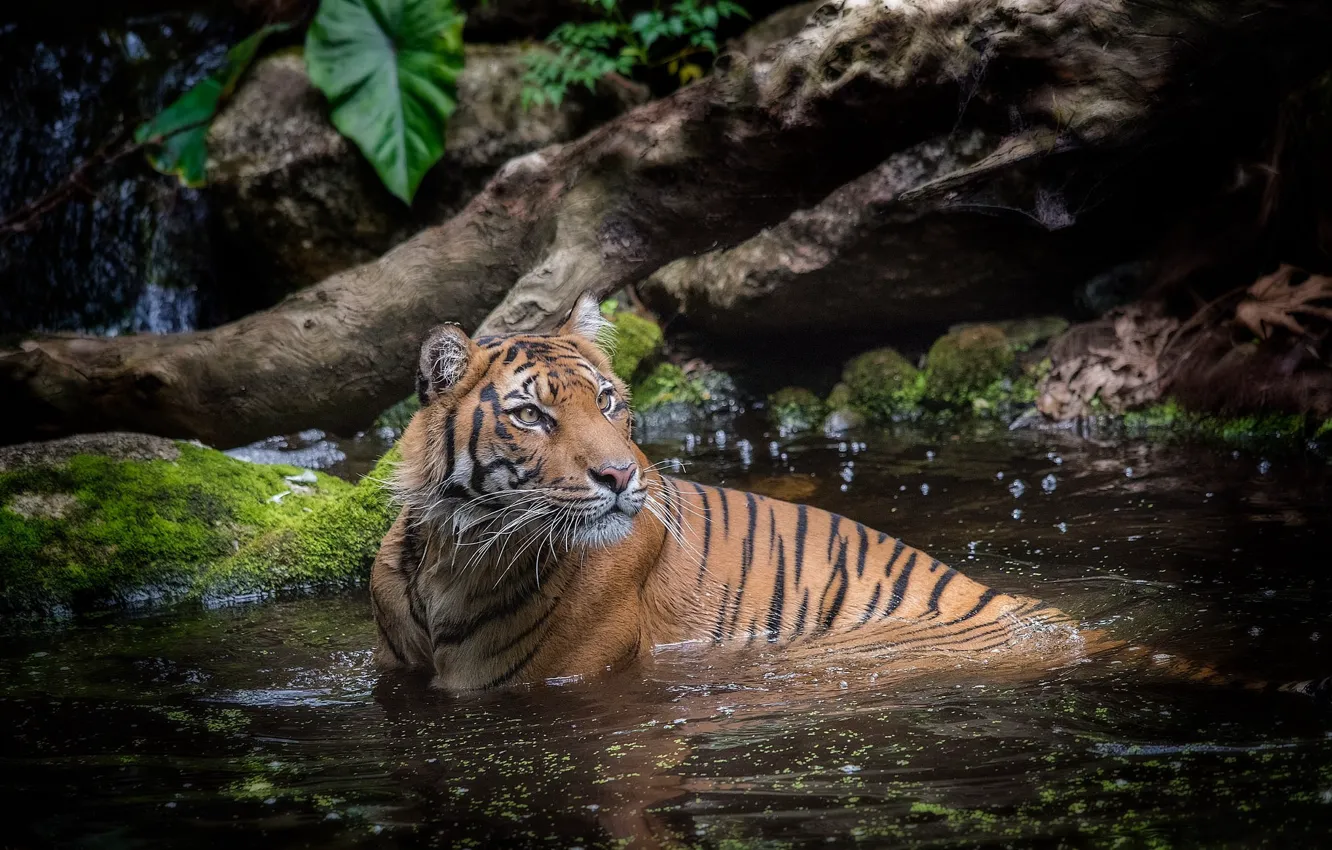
(636, 340)
(1272, 431)
(967, 364)
(332, 544)
(840, 397)
(795, 409)
(665, 384)
(94, 531)
(881, 385)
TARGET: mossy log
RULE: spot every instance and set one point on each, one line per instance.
(706, 167)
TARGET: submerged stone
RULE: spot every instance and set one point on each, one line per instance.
(109, 520)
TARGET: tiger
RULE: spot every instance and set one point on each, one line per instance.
(535, 541)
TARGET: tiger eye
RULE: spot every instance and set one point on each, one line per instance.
(527, 415)
(605, 400)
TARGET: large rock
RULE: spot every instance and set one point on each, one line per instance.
(301, 203)
(128, 519)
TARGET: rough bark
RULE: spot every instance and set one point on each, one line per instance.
(704, 168)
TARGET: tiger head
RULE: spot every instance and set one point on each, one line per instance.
(524, 435)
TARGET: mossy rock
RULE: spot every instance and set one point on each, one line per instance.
(667, 384)
(882, 385)
(637, 339)
(794, 409)
(112, 520)
(967, 364)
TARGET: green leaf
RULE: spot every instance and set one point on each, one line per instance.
(177, 138)
(390, 70)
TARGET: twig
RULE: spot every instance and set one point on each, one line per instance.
(29, 216)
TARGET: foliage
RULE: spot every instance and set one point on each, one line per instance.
(637, 339)
(583, 52)
(390, 70)
(794, 409)
(177, 139)
(1274, 302)
(883, 385)
(666, 384)
(966, 362)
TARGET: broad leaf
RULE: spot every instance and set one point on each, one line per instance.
(390, 69)
(177, 139)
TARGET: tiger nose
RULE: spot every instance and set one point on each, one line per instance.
(617, 478)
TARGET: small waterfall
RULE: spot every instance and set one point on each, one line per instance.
(131, 251)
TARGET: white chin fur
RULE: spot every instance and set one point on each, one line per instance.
(606, 531)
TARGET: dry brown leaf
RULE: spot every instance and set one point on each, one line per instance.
(1273, 303)
(1122, 373)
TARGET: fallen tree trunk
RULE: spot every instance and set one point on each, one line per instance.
(704, 168)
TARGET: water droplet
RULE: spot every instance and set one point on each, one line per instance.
(1128, 472)
(1264, 467)
(843, 448)
(746, 452)
(999, 475)
(924, 489)
(721, 439)
(1049, 483)
(1063, 527)
(1255, 631)
(851, 768)
(774, 449)
(843, 685)
(929, 455)
(1017, 513)
(1017, 488)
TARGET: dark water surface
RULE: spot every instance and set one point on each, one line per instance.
(267, 726)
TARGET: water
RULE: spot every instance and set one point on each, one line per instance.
(267, 724)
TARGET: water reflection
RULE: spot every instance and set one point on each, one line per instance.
(268, 723)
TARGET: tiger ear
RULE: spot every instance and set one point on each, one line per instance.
(445, 356)
(587, 321)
